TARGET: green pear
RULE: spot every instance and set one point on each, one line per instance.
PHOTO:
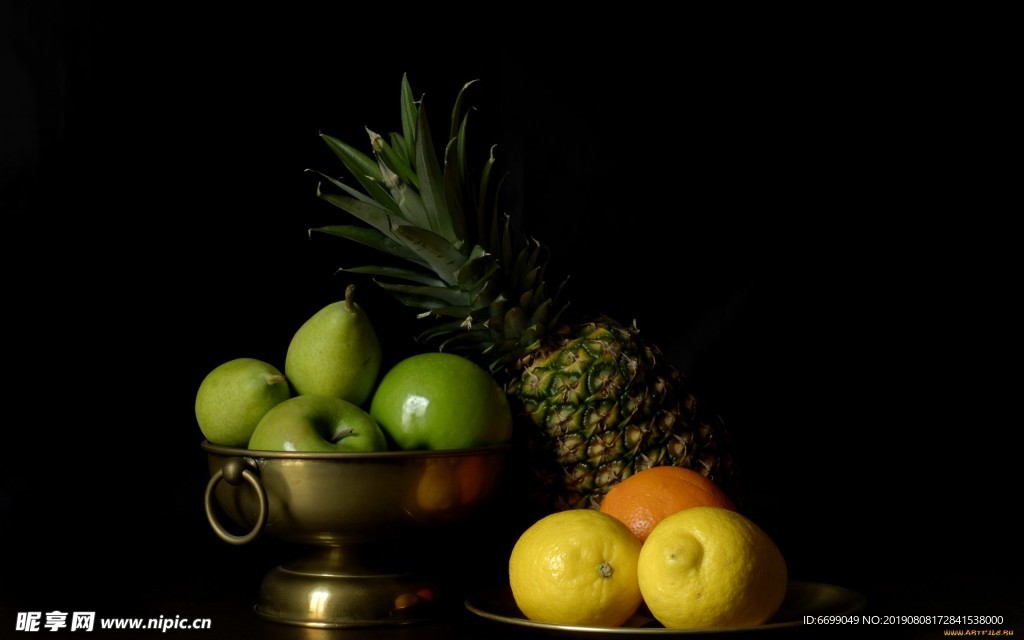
(336, 353)
(234, 397)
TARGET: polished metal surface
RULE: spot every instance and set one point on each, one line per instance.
(802, 599)
(353, 510)
(334, 587)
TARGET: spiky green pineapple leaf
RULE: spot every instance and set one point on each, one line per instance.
(477, 270)
(455, 164)
(443, 258)
(500, 239)
(486, 291)
(534, 259)
(558, 314)
(372, 238)
(363, 169)
(453, 326)
(539, 291)
(461, 163)
(447, 295)
(401, 148)
(525, 299)
(453, 191)
(355, 193)
(432, 181)
(539, 317)
(428, 304)
(371, 214)
(525, 270)
(409, 115)
(452, 312)
(530, 278)
(507, 256)
(457, 108)
(460, 342)
(388, 157)
(409, 275)
(481, 205)
(515, 322)
(455, 158)
(406, 197)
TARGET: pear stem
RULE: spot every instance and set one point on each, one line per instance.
(341, 435)
(350, 296)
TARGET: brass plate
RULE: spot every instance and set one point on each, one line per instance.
(802, 599)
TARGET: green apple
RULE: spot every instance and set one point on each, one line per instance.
(234, 397)
(441, 401)
(317, 423)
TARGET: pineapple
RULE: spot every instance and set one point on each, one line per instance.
(600, 403)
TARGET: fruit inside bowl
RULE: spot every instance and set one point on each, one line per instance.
(352, 466)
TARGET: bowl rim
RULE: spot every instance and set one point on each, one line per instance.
(238, 452)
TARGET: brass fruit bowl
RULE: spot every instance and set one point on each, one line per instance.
(353, 511)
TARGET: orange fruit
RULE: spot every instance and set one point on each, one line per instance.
(647, 497)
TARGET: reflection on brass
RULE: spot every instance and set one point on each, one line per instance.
(448, 488)
(355, 511)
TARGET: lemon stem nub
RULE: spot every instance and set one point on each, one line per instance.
(605, 570)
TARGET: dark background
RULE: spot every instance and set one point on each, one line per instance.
(809, 223)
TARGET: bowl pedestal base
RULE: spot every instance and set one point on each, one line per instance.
(355, 585)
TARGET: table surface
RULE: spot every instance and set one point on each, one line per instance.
(226, 595)
(99, 552)
(234, 618)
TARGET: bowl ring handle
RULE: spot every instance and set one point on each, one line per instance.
(233, 472)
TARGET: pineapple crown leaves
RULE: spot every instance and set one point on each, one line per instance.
(463, 268)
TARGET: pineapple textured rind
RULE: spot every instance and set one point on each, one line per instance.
(607, 405)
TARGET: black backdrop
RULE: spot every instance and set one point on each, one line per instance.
(807, 223)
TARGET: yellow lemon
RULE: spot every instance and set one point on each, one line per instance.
(576, 567)
(711, 567)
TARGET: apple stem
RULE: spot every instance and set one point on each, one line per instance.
(350, 296)
(338, 437)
